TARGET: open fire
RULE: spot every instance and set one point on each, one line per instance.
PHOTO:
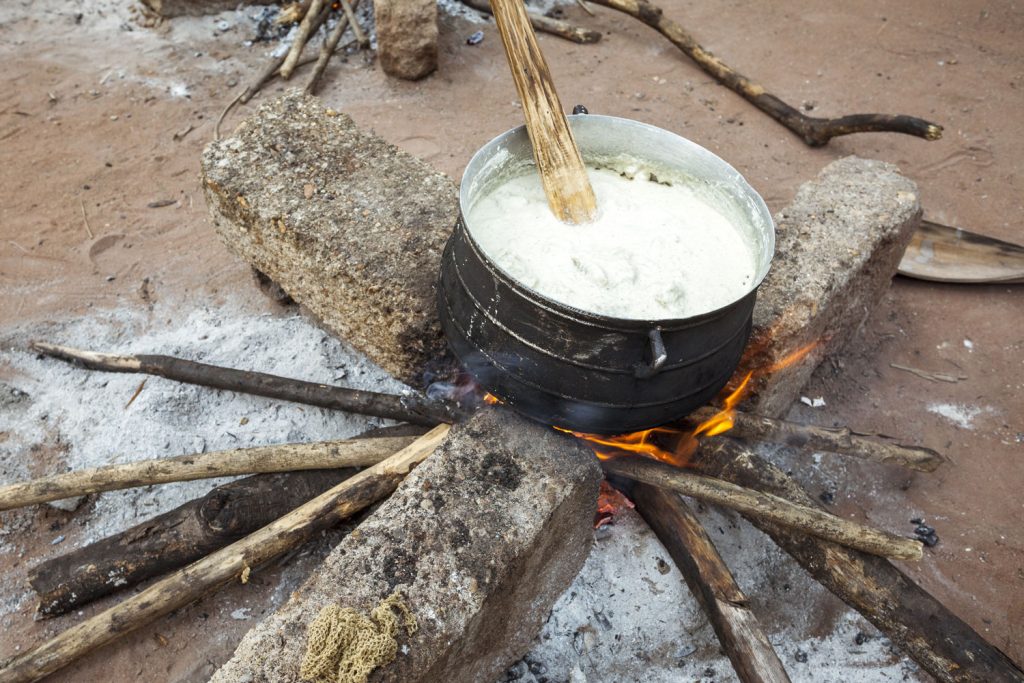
(676, 444)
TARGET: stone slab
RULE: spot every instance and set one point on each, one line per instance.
(481, 539)
(348, 225)
(406, 37)
(838, 245)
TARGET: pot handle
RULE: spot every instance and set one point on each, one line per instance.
(658, 356)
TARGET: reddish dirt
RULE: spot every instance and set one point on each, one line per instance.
(89, 125)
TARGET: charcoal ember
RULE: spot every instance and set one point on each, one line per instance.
(924, 533)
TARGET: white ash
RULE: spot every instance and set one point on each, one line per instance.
(623, 615)
(960, 415)
(84, 415)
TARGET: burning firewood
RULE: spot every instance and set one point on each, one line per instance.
(711, 582)
(766, 507)
(199, 578)
(843, 440)
(813, 130)
(916, 622)
(280, 458)
(412, 409)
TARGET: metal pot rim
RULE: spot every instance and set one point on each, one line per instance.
(484, 155)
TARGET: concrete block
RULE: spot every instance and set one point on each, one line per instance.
(837, 249)
(480, 539)
(348, 225)
(406, 37)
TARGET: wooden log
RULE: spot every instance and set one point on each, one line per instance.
(236, 560)
(559, 162)
(814, 131)
(182, 535)
(261, 459)
(555, 27)
(413, 408)
(328, 48)
(807, 519)
(845, 441)
(939, 641)
(174, 539)
(304, 33)
(752, 655)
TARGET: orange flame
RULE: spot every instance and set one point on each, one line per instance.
(675, 446)
(491, 399)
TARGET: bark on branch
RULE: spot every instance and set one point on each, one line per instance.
(281, 458)
(752, 655)
(814, 131)
(807, 519)
(920, 625)
(555, 27)
(236, 560)
(413, 409)
(867, 446)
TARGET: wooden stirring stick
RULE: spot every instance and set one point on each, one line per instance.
(558, 158)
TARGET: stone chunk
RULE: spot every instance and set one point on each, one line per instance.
(837, 248)
(348, 225)
(480, 540)
(406, 37)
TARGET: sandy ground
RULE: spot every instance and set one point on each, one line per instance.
(104, 118)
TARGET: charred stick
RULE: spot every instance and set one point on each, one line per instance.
(752, 655)
(413, 409)
(765, 506)
(814, 131)
(176, 538)
(867, 446)
(236, 560)
(555, 27)
(280, 458)
(935, 638)
(305, 32)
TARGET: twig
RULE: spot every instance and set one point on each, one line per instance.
(327, 49)
(279, 458)
(265, 76)
(555, 27)
(809, 520)
(357, 30)
(414, 409)
(916, 622)
(748, 648)
(85, 220)
(306, 30)
(201, 577)
(844, 441)
(135, 394)
(813, 130)
(586, 8)
(930, 376)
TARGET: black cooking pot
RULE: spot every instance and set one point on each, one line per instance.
(579, 370)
